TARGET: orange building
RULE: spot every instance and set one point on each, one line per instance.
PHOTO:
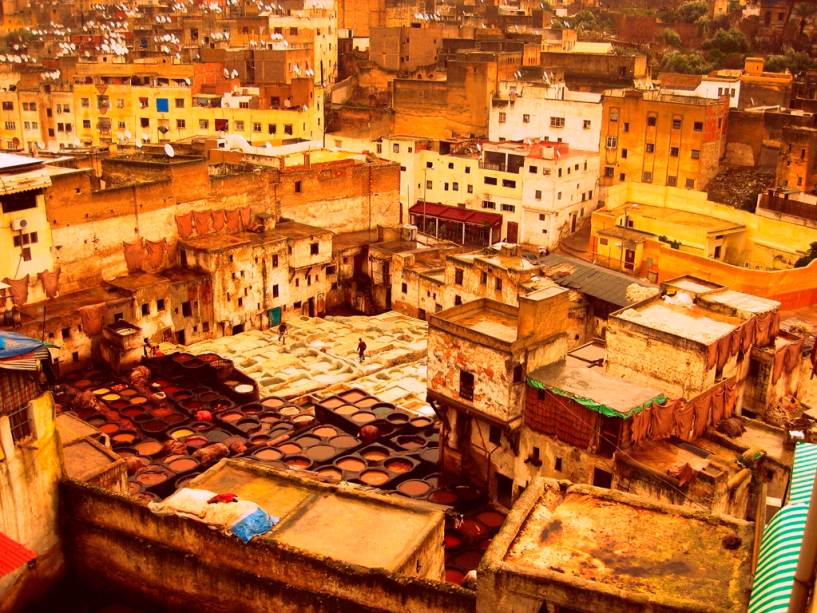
(660, 138)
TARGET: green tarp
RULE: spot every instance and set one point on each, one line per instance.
(597, 406)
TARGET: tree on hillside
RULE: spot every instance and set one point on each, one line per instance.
(692, 10)
(671, 38)
(728, 41)
(687, 63)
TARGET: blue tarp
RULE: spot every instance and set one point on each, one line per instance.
(13, 345)
(257, 522)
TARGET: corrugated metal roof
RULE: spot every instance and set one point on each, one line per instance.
(596, 281)
(13, 555)
(802, 472)
(24, 181)
(777, 560)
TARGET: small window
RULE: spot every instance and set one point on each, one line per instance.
(508, 208)
(498, 284)
(508, 183)
(613, 114)
(672, 181)
(179, 103)
(673, 151)
(494, 434)
(676, 124)
(690, 183)
(649, 147)
(298, 187)
(395, 148)
(458, 275)
(484, 278)
(66, 333)
(612, 142)
(187, 310)
(275, 291)
(609, 171)
(490, 180)
(145, 309)
(518, 373)
(696, 154)
(160, 304)
(525, 118)
(457, 300)
(557, 464)
(624, 154)
(646, 177)
(404, 288)
(557, 122)
(537, 194)
(586, 124)
(314, 248)
(20, 422)
(651, 120)
(698, 126)
(275, 261)
(502, 117)
(466, 385)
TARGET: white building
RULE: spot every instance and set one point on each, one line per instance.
(540, 111)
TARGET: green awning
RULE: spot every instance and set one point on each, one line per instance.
(777, 560)
(802, 472)
(598, 407)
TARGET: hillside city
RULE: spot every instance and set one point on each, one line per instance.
(408, 305)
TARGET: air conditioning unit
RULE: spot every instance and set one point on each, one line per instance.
(19, 224)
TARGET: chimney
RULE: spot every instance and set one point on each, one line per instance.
(306, 159)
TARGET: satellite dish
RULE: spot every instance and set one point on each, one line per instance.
(268, 145)
(138, 143)
(128, 134)
(76, 142)
(169, 151)
(41, 145)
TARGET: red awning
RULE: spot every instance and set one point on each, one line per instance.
(13, 555)
(455, 213)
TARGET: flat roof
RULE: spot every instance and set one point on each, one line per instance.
(677, 217)
(613, 543)
(10, 162)
(692, 284)
(486, 320)
(741, 302)
(691, 322)
(342, 522)
(574, 378)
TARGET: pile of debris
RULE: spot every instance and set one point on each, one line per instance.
(739, 187)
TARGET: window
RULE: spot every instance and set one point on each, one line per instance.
(613, 114)
(466, 385)
(525, 118)
(698, 126)
(84, 102)
(646, 177)
(314, 248)
(557, 122)
(298, 187)
(518, 373)
(537, 194)
(275, 291)
(429, 164)
(672, 181)
(288, 128)
(498, 284)
(533, 169)
(458, 274)
(160, 304)
(239, 126)
(404, 288)
(470, 189)
(483, 279)
(502, 117)
(21, 427)
(8, 106)
(66, 333)
(696, 154)
(508, 183)
(275, 261)
(455, 186)
(487, 204)
(508, 208)
(489, 180)
(626, 126)
(690, 183)
(204, 124)
(612, 142)
(603, 242)
(494, 434)
(676, 124)
(10, 125)
(457, 300)
(256, 126)
(162, 105)
(586, 124)
(445, 186)
(649, 147)
(145, 309)
(673, 151)
(395, 148)
(651, 120)
(86, 123)
(429, 185)
(624, 153)
(542, 217)
(179, 103)
(120, 103)
(608, 171)
(468, 170)
(181, 124)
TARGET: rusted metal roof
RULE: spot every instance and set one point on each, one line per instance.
(13, 555)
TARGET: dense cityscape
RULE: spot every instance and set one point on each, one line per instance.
(408, 305)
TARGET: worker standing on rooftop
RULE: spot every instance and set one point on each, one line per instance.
(361, 349)
(282, 332)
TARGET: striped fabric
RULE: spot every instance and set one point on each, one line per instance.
(777, 561)
(802, 472)
(29, 361)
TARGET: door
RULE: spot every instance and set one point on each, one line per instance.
(629, 259)
(513, 232)
(573, 222)
(274, 316)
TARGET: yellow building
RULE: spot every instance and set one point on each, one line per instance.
(25, 235)
(661, 139)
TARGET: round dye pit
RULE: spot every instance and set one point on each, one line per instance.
(420, 422)
(329, 472)
(320, 453)
(344, 441)
(272, 403)
(410, 442)
(454, 575)
(196, 441)
(180, 433)
(298, 462)
(332, 403)
(325, 431)
(375, 454)
(398, 465)
(472, 530)
(346, 410)
(182, 464)
(267, 454)
(148, 447)
(492, 520)
(289, 448)
(290, 411)
(123, 438)
(374, 476)
(452, 540)
(308, 440)
(363, 417)
(351, 464)
(443, 497)
(415, 488)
